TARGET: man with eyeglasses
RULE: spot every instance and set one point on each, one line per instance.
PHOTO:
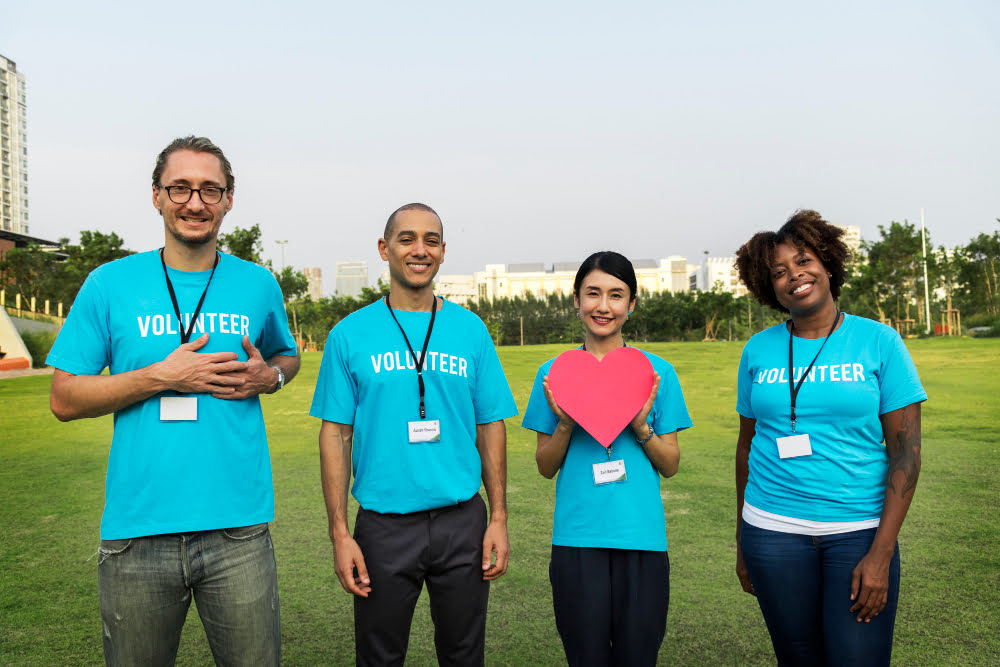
(191, 338)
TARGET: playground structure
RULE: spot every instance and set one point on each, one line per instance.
(14, 354)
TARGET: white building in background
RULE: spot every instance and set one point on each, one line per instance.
(518, 280)
(351, 277)
(315, 277)
(852, 237)
(13, 149)
(457, 287)
(718, 273)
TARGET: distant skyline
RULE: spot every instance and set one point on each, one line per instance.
(540, 131)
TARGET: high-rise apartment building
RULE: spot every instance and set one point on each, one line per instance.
(315, 277)
(351, 277)
(13, 150)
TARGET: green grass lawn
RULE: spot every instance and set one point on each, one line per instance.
(51, 496)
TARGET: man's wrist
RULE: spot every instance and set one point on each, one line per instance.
(279, 382)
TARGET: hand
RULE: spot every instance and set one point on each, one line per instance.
(191, 372)
(564, 418)
(640, 419)
(258, 377)
(870, 586)
(495, 541)
(349, 564)
(741, 572)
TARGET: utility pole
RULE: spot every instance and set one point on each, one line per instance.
(282, 244)
(927, 289)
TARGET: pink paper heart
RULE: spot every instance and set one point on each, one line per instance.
(602, 396)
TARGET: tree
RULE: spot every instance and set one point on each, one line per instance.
(979, 272)
(28, 271)
(293, 283)
(95, 248)
(243, 243)
(891, 279)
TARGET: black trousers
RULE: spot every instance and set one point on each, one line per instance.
(442, 547)
(610, 604)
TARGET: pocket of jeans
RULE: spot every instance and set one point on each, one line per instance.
(245, 532)
(110, 548)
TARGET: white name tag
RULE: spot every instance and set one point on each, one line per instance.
(178, 408)
(794, 445)
(425, 431)
(609, 471)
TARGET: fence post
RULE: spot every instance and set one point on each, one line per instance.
(46, 306)
(33, 309)
(3, 298)
(17, 303)
(60, 309)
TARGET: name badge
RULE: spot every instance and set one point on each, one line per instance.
(178, 408)
(425, 431)
(794, 445)
(609, 471)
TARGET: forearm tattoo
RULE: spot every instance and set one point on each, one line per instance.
(904, 452)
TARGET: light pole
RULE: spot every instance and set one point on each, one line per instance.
(282, 244)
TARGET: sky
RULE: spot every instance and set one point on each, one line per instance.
(540, 131)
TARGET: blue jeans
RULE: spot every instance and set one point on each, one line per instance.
(803, 586)
(146, 584)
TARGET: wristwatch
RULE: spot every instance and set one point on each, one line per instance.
(281, 380)
(647, 438)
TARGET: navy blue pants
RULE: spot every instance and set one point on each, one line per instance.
(442, 548)
(610, 604)
(803, 586)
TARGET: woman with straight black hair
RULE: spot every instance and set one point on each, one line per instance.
(609, 571)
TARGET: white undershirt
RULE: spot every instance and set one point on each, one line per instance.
(787, 524)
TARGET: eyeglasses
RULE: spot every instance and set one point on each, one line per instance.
(181, 194)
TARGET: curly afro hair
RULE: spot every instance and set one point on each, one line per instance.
(805, 229)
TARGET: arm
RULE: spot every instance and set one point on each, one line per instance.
(184, 370)
(748, 428)
(335, 442)
(551, 451)
(870, 580)
(662, 450)
(491, 441)
(258, 375)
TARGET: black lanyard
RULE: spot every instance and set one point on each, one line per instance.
(423, 353)
(186, 335)
(793, 389)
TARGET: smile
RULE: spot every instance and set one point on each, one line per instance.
(802, 288)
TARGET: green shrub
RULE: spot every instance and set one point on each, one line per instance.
(38, 343)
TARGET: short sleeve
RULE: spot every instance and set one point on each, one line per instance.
(671, 410)
(336, 396)
(276, 337)
(898, 382)
(538, 416)
(492, 399)
(744, 384)
(83, 346)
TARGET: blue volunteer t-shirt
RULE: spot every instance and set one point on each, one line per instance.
(368, 379)
(180, 476)
(617, 515)
(863, 372)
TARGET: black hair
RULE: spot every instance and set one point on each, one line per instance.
(805, 229)
(416, 206)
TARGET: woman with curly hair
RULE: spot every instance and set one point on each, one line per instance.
(820, 500)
